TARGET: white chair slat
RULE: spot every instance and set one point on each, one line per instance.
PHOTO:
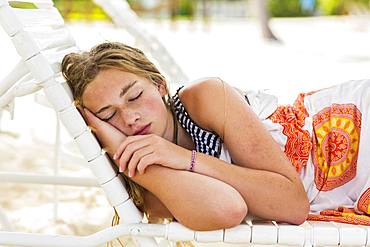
(308, 234)
(325, 234)
(9, 20)
(55, 57)
(238, 234)
(40, 68)
(209, 236)
(88, 145)
(73, 121)
(54, 38)
(56, 94)
(176, 231)
(19, 71)
(352, 235)
(6, 99)
(135, 215)
(102, 169)
(264, 232)
(29, 44)
(115, 191)
(18, 91)
(25, 89)
(367, 236)
(291, 235)
(39, 17)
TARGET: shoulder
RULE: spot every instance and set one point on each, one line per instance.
(200, 89)
(205, 101)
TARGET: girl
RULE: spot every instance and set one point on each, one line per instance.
(209, 154)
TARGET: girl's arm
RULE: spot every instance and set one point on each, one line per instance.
(199, 202)
(263, 175)
(154, 207)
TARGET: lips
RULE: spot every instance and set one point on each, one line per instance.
(144, 130)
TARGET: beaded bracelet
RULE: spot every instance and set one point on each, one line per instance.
(192, 163)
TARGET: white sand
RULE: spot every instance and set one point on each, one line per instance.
(314, 53)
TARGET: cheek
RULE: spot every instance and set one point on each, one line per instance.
(154, 107)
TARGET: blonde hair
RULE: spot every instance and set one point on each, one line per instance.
(80, 69)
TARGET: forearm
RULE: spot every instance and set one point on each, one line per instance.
(267, 194)
(197, 201)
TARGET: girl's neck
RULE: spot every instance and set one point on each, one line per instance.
(183, 139)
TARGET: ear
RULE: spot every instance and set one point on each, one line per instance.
(162, 88)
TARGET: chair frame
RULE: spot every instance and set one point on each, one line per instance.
(44, 72)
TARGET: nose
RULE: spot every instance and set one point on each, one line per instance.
(130, 117)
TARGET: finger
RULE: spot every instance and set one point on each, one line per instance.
(94, 122)
(146, 161)
(80, 110)
(130, 150)
(109, 136)
(89, 117)
(124, 144)
(136, 158)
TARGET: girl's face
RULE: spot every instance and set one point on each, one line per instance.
(131, 103)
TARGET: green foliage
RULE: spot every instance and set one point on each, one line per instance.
(291, 8)
(80, 10)
(286, 8)
(186, 8)
(21, 5)
(332, 7)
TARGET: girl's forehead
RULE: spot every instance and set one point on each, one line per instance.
(111, 79)
(108, 85)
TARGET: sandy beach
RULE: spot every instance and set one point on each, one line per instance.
(312, 53)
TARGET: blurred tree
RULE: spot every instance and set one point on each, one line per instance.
(289, 8)
(80, 10)
(333, 7)
(187, 8)
(263, 16)
(174, 7)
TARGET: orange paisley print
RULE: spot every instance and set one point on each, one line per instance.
(342, 215)
(336, 139)
(364, 202)
(292, 118)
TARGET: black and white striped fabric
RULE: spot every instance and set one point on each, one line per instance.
(205, 142)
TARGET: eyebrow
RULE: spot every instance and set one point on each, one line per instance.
(124, 90)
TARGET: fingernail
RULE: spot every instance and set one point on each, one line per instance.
(114, 156)
(120, 169)
(129, 174)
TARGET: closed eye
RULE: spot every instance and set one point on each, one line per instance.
(136, 96)
(109, 118)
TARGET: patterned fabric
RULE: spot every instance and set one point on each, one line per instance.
(298, 144)
(342, 215)
(364, 202)
(205, 141)
(335, 169)
(335, 145)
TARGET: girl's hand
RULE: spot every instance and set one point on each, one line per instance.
(140, 151)
(109, 137)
